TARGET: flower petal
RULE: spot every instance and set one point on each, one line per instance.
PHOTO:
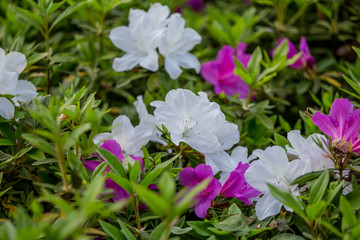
(126, 62)
(7, 109)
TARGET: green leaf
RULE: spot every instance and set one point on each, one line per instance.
(167, 186)
(331, 227)
(316, 209)
(75, 163)
(6, 142)
(70, 10)
(149, 178)
(32, 18)
(306, 177)
(113, 161)
(121, 181)
(348, 216)
(287, 199)
(265, 120)
(34, 58)
(241, 71)
(70, 140)
(254, 63)
(157, 204)
(135, 172)
(287, 236)
(113, 232)
(357, 50)
(40, 143)
(53, 7)
(317, 191)
(281, 50)
(280, 140)
(128, 235)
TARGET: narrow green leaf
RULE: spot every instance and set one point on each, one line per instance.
(121, 181)
(317, 191)
(70, 10)
(113, 231)
(32, 18)
(156, 203)
(135, 171)
(167, 186)
(113, 161)
(40, 143)
(349, 218)
(128, 235)
(288, 200)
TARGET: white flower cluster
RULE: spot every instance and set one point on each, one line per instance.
(274, 167)
(130, 138)
(194, 120)
(11, 65)
(148, 31)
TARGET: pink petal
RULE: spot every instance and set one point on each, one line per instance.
(113, 147)
(188, 177)
(202, 207)
(91, 164)
(210, 72)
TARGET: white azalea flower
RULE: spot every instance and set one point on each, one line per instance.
(194, 120)
(222, 161)
(131, 139)
(11, 65)
(308, 151)
(176, 44)
(148, 121)
(140, 39)
(273, 167)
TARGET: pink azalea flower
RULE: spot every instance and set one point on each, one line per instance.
(197, 5)
(305, 60)
(115, 148)
(220, 72)
(342, 125)
(190, 177)
(237, 186)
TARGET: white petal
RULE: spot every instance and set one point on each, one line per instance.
(220, 161)
(122, 38)
(15, 62)
(8, 82)
(158, 13)
(240, 154)
(126, 62)
(175, 29)
(150, 61)
(172, 67)
(122, 126)
(267, 206)
(100, 138)
(25, 91)
(7, 109)
(189, 39)
(2, 59)
(189, 61)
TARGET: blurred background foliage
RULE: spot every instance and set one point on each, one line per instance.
(67, 46)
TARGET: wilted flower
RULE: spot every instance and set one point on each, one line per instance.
(342, 125)
(11, 65)
(196, 121)
(305, 60)
(273, 167)
(113, 147)
(190, 177)
(220, 72)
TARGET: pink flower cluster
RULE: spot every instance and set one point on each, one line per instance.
(220, 72)
(235, 186)
(342, 125)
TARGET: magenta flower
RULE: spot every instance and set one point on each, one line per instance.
(197, 5)
(305, 60)
(342, 125)
(220, 72)
(237, 187)
(113, 147)
(190, 177)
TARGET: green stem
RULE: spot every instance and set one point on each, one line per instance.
(137, 215)
(296, 16)
(61, 161)
(249, 96)
(47, 45)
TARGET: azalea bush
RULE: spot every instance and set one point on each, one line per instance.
(194, 119)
